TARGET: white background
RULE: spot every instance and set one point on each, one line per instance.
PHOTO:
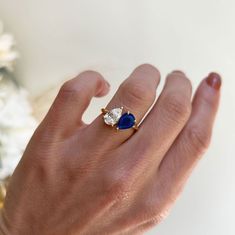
(59, 38)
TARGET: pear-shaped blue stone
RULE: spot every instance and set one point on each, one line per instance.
(126, 121)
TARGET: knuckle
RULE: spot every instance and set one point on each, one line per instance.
(70, 91)
(89, 76)
(117, 192)
(199, 139)
(67, 86)
(187, 83)
(180, 75)
(154, 211)
(152, 215)
(136, 92)
(148, 70)
(117, 189)
(157, 219)
(177, 107)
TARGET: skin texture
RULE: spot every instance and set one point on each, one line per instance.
(76, 178)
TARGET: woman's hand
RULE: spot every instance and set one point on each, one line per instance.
(91, 179)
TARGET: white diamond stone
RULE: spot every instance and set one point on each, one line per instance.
(112, 117)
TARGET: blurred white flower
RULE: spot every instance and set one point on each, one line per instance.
(7, 53)
(16, 127)
(16, 120)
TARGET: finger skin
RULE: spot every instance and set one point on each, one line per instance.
(74, 97)
(153, 203)
(161, 126)
(145, 149)
(90, 192)
(192, 142)
(169, 114)
(136, 94)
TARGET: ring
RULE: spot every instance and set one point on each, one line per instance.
(115, 118)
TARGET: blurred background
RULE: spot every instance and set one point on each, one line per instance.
(55, 40)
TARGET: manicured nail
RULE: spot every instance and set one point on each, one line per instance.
(214, 80)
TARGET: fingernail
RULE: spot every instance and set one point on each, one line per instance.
(107, 84)
(214, 80)
(179, 72)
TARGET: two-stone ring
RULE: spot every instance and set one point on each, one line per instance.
(121, 121)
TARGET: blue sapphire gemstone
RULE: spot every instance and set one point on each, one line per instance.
(126, 121)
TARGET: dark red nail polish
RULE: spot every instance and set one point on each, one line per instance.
(214, 80)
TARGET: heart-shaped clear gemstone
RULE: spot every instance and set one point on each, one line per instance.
(112, 117)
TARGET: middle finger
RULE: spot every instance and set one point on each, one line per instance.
(136, 94)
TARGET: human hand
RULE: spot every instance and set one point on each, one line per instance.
(76, 178)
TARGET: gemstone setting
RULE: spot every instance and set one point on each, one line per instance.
(126, 121)
(112, 117)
